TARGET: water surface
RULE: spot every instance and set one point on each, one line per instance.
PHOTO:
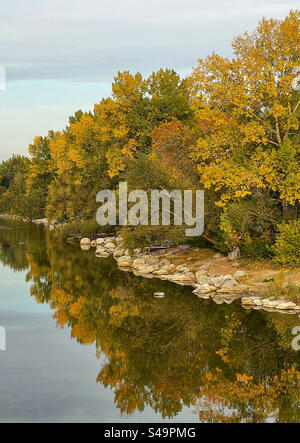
(87, 342)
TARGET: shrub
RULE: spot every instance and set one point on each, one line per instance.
(143, 236)
(287, 245)
(84, 228)
(257, 248)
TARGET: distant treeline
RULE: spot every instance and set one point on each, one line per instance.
(231, 127)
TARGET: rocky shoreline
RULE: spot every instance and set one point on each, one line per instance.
(220, 288)
(207, 284)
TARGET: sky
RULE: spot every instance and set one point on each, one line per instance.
(61, 55)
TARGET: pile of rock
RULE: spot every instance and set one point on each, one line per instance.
(105, 247)
(221, 288)
(270, 304)
(209, 286)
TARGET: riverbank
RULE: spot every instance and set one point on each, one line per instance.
(210, 274)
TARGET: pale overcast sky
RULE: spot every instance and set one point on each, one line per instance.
(61, 55)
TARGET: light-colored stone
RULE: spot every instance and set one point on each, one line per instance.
(217, 281)
(234, 255)
(286, 305)
(239, 274)
(145, 269)
(118, 253)
(248, 301)
(229, 283)
(267, 303)
(125, 261)
(85, 241)
(110, 245)
(183, 277)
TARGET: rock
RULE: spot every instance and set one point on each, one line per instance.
(85, 241)
(205, 281)
(183, 247)
(85, 247)
(110, 245)
(229, 300)
(125, 261)
(127, 253)
(216, 256)
(229, 283)
(99, 241)
(182, 277)
(286, 305)
(218, 300)
(137, 251)
(217, 281)
(200, 275)
(138, 262)
(257, 301)
(109, 240)
(162, 271)
(267, 303)
(159, 294)
(248, 301)
(239, 274)
(203, 289)
(118, 253)
(234, 255)
(93, 244)
(145, 269)
(204, 296)
(100, 251)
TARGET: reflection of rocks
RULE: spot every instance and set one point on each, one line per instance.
(221, 288)
(85, 242)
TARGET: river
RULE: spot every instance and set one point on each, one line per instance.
(86, 342)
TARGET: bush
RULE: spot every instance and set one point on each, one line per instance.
(257, 248)
(84, 228)
(287, 245)
(143, 236)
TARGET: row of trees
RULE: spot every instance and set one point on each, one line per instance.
(231, 127)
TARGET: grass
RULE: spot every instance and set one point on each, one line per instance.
(281, 287)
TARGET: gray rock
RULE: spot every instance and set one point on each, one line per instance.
(239, 274)
(234, 255)
(228, 284)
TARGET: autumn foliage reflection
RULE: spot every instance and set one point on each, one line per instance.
(226, 363)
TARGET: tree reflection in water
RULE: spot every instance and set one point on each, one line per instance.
(227, 363)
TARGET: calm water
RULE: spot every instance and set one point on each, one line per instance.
(86, 342)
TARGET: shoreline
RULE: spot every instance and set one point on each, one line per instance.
(211, 274)
(177, 266)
